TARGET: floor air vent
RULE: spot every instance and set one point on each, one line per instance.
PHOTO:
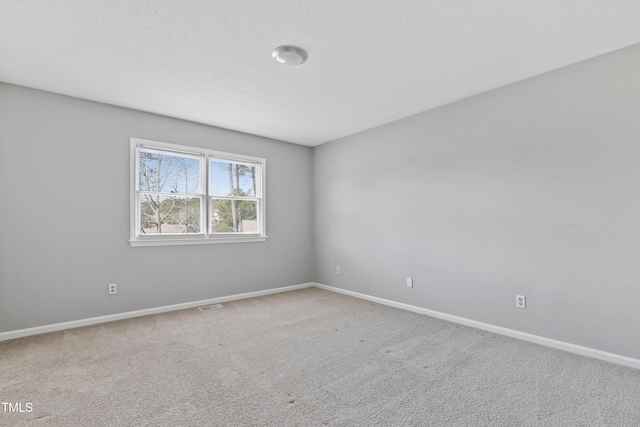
(210, 307)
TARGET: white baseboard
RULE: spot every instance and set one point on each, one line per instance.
(560, 345)
(572, 348)
(130, 314)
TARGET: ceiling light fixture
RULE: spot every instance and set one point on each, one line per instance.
(289, 55)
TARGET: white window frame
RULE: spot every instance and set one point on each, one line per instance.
(206, 236)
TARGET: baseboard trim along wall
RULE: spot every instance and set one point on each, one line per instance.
(560, 345)
(131, 314)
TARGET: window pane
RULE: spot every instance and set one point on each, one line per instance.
(223, 219)
(231, 179)
(169, 173)
(169, 214)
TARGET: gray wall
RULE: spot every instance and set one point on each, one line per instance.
(530, 189)
(64, 214)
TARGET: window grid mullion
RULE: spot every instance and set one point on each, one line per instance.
(186, 215)
(235, 198)
(207, 202)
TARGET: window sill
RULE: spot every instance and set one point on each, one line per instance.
(210, 241)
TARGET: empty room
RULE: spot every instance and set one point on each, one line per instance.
(319, 213)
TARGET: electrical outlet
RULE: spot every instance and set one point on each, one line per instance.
(409, 282)
(337, 269)
(521, 301)
(112, 289)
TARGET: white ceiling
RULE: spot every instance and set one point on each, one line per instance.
(370, 61)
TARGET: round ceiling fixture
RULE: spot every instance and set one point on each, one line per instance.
(289, 55)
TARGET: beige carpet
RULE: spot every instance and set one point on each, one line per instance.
(305, 358)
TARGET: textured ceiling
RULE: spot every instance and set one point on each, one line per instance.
(370, 61)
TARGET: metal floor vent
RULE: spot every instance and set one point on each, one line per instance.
(210, 307)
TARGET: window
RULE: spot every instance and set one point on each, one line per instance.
(185, 195)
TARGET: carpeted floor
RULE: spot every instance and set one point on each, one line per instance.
(305, 358)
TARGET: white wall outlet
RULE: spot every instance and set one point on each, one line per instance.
(409, 282)
(521, 301)
(112, 289)
(337, 269)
